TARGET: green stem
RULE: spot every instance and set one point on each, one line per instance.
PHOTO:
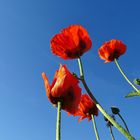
(81, 68)
(58, 123)
(123, 122)
(84, 82)
(115, 124)
(95, 127)
(111, 133)
(124, 75)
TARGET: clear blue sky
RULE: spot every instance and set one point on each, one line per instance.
(26, 27)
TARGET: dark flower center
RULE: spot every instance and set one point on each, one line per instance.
(82, 44)
(114, 55)
(76, 52)
(66, 98)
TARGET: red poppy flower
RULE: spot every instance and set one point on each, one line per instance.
(111, 50)
(64, 88)
(71, 42)
(86, 108)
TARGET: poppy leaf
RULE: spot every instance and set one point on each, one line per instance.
(137, 81)
(132, 94)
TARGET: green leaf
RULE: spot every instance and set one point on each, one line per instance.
(137, 81)
(132, 94)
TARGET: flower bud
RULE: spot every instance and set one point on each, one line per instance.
(108, 123)
(115, 110)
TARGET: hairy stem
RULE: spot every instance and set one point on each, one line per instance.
(95, 127)
(111, 133)
(124, 75)
(58, 123)
(115, 124)
(123, 122)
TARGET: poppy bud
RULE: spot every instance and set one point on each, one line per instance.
(115, 110)
(108, 122)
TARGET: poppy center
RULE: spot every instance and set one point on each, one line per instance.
(114, 55)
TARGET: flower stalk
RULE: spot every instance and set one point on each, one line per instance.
(58, 122)
(95, 127)
(111, 132)
(124, 75)
(115, 124)
(123, 122)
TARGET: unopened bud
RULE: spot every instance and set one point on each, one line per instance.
(108, 123)
(115, 110)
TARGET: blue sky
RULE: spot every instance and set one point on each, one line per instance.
(26, 27)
